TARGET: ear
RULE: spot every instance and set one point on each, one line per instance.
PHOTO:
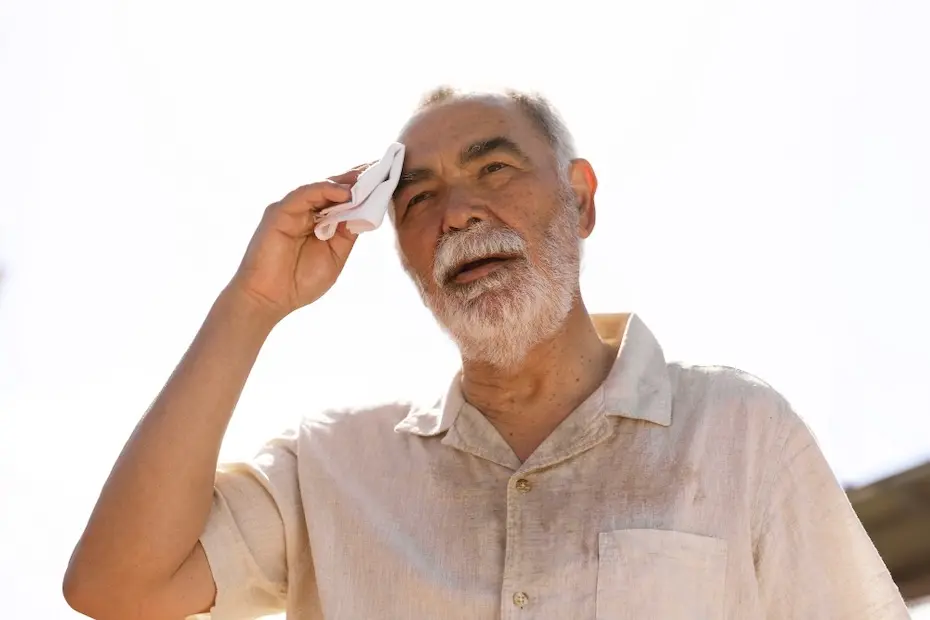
(584, 185)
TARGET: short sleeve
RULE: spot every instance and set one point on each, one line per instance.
(814, 559)
(255, 538)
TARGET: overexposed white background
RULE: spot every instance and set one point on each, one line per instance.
(764, 203)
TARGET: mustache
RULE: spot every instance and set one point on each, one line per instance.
(477, 241)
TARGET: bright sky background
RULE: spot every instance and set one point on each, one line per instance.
(764, 203)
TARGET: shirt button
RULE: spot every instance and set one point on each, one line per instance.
(520, 599)
(523, 485)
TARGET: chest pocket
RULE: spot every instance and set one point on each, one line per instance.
(660, 574)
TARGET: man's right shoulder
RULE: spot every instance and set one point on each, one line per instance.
(336, 441)
(377, 419)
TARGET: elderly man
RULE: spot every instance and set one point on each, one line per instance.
(568, 472)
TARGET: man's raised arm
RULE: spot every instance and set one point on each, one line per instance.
(139, 556)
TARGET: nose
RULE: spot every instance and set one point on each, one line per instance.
(463, 209)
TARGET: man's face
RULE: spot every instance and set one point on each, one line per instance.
(487, 226)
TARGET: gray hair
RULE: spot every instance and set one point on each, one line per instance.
(534, 105)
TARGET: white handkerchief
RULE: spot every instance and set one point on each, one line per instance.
(371, 197)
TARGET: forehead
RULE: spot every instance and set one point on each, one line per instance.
(447, 127)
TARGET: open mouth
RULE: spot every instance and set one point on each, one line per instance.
(472, 270)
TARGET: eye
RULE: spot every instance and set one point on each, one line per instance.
(493, 167)
(419, 198)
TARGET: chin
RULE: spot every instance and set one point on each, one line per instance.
(498, 319)
(489, 305)
(501, 327)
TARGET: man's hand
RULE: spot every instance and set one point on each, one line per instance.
(285, 266)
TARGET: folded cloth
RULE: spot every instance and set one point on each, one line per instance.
(371, 197)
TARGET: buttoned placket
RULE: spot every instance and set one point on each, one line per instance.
(471, 432)
(514, 597)
(517, 591)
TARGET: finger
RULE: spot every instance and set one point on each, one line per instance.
(315, 196)
(341, 243)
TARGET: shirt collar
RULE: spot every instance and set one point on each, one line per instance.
(637, 386)
(438, 417)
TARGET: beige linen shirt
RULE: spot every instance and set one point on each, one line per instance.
(672, 492)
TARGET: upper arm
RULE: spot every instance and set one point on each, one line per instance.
(813, 557)
(190, 590)
(252, 546)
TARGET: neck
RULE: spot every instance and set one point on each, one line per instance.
(527, 403)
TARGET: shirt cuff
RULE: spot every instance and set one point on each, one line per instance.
(228, 558)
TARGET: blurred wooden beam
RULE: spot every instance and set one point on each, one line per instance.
(896, 513)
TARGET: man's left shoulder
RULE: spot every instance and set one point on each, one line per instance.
(728, 397)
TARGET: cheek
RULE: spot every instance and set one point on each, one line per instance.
(524, 209)
(416, 252)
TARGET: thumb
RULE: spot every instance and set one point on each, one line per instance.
(342, 242)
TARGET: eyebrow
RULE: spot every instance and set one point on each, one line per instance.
(470, 153)
(481, 148)
(410, 177)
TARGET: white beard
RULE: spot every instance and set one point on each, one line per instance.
(499, 318)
